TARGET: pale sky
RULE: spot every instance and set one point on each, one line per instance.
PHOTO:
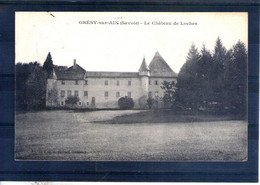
(103, 47)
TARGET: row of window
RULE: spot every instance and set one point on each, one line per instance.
(76, 82)
(118, 82)
(106, 82)
(62, 93)
(129, 94)
(76, 93)
(106, 94)
(155, 82)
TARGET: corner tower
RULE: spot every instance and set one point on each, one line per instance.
(144, 74)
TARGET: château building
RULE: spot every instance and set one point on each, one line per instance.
(103, 89)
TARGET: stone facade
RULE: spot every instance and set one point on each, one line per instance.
(103, 89)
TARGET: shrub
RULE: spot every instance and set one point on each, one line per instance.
(72, 100)
(150, 102)
(125, 103)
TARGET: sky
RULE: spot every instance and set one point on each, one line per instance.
(119, 46)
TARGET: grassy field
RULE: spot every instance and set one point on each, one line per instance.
(98, 136)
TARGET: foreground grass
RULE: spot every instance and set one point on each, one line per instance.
(166, 116)
(69, 135)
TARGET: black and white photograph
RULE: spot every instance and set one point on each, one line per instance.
(131, 86)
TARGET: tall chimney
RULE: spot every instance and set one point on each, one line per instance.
(74, 64)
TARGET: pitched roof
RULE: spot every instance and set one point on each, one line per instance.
(143, 66)
(69, 75)
(158, 67)
(75, 72)
(77, 68)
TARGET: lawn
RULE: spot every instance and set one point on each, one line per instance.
(128, 136)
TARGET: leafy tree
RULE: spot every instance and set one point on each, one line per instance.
(169, 93)
(22, 72)
(150, 102)
(36, 89)
(30, 86)
(48, 64)
(72, 101)
(125, 103)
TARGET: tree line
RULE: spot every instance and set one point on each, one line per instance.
(30, 83)
(213, 82)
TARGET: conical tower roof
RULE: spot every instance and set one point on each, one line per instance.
(143, 66)
(158, 64)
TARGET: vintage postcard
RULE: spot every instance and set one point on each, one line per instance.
(131, 86)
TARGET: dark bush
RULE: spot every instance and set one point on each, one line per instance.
(150, 102)
(72, 100)
(125, 103)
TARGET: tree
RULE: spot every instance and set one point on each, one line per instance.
(169, 93)
(150, 102)
(48, 64)
(236, 80)
(125, 103)
(202, 79)
(35, 92)
(221, 58)
(71, 101)
(187, 80)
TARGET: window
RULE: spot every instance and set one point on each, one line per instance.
(62, 103)
(68, 92)
(117, 94)
(79, 103)
(150, 94)
(106, 82)
(156, 94)
(76, 82)
(156, 82)
(76, 93)
(63, 82)
(150, 82)
(129, 94)
(117, 82)
(106, 93)
(129, 82)
(86, 82)
(86, 94)
(87, 103)
(62, 93)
